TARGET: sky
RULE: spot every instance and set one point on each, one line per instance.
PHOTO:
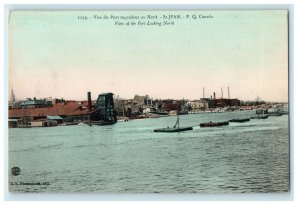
(56, 54)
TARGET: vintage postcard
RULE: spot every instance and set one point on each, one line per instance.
(148, 101)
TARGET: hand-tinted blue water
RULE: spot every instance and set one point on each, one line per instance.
(129, 157)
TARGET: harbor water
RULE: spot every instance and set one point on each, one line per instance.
(128, 157)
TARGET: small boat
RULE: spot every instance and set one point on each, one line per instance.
(260, 117)
(123, 120)
(173, 113)
(175, 128)
(163, 115)
(284, 112)
(150, 115)
(159, 112)
(213, 124)
(274, 114)
(240, 120)
(261, 111)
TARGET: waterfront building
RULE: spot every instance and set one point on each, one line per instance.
(170, 104)
(64, 109)
(210, 102)
(105, 110)
(226, 102)
(198, 104)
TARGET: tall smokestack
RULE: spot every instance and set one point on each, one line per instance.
(228, 93)
(89, 101)
(222, 92)
(203, 92)
(214, 95)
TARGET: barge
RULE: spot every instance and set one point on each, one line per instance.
(239, 120)
(214, 124)
(175, 128)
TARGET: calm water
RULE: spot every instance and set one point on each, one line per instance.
(129, 157)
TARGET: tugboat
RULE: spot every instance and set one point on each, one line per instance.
(175, 128)
(258, 116)
(213, 124)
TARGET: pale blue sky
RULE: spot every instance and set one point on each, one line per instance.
(55, 54)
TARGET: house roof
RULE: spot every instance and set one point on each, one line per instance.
(68, 108)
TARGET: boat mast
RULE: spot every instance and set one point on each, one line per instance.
(177, 122)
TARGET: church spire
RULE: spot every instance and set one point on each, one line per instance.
(12, 96)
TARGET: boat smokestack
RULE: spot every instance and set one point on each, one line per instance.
(89, 101)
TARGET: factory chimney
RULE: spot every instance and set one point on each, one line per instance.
(222, 92)
(89, 101)
(214, 95)
(228, 93)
